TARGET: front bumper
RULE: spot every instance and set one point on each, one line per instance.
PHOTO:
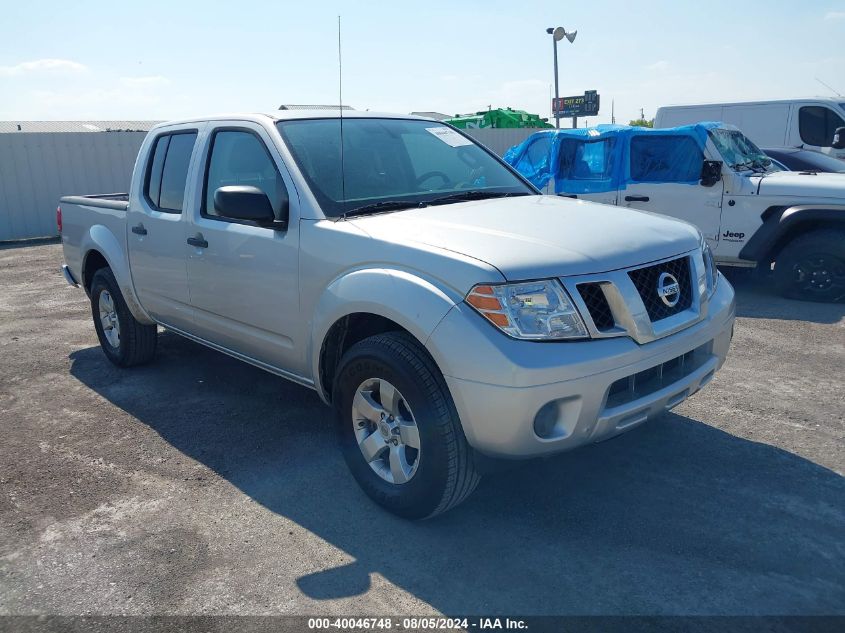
(499, 384)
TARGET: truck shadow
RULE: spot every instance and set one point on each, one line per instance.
(757, 298)
(676, 517)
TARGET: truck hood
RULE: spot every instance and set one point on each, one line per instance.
(534, 237)
(803, 185)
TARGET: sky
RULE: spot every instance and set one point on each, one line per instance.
(164, 60)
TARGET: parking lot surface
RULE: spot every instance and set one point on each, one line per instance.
(199, 484)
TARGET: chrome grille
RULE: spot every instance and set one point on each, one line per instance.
(646, 280)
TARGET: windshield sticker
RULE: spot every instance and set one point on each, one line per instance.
(449, 136)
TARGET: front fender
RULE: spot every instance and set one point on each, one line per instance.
(99, 238)
(781, 223)
(405, 298)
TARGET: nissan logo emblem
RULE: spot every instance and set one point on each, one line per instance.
(668, 289)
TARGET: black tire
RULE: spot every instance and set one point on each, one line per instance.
(812, 266)
(137, 342)
(446, 473)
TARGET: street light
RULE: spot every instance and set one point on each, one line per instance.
(558, 34)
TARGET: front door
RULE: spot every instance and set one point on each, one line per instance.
(664, 177)
(156, 230)
(244, 278)
(817, 125)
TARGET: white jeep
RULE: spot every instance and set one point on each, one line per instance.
(711, 175)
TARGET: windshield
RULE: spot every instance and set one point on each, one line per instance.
(822, 162)
(392, 164)
(739, 152)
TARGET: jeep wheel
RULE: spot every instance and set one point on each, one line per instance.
(399, 430)
(125, 341)
(812, 266)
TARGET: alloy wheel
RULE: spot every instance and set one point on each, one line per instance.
(386, 431)
(819, 273)
(108, 319)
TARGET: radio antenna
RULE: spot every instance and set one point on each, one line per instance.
(836, 92)
(340, 107)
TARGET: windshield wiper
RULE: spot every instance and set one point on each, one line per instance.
(473, 194)
(397, 205)
(754, 164)
(379, 207)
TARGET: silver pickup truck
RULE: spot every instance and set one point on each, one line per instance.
(428, 293)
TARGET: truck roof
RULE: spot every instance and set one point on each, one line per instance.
(283, 115)
(750, 102)
(544, 163)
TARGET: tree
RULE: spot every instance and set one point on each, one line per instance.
(642, 122)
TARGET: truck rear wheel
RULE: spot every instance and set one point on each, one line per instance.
(812, 266)
(125, 341)
(399, 430)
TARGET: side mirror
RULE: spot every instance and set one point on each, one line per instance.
(711, 172)
(839, 138)
(242, 202)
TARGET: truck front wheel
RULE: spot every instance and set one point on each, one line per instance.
(812, 266)
(125, 341)
(399, 431)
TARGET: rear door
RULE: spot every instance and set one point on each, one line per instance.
(663, 176)
(157, 229)
(244, 278)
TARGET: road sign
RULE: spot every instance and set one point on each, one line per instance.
(581, 105)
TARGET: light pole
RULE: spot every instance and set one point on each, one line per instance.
(558, 33)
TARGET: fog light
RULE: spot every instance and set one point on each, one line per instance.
(546, 420)
(558, 419)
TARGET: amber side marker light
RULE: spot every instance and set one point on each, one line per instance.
(488, 305)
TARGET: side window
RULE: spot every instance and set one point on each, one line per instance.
(817, 125)
(586, 160)
(240, 158)
(152, 188)
(665, 159)
(168, 171)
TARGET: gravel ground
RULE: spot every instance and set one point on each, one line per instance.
(201, 485)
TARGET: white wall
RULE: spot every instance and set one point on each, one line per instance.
(500, 140)
(37, 169)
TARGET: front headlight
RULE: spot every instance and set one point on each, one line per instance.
(534, 310)
(709, 268)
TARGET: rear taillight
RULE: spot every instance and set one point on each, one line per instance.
(59, 218)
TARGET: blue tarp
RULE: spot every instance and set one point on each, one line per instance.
(608, 157)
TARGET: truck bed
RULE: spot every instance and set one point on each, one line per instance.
(98, 222)
(118, 201)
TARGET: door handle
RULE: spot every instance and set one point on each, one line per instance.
(199, 242)
(636, 198)
(139, 229)
(568, 195)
